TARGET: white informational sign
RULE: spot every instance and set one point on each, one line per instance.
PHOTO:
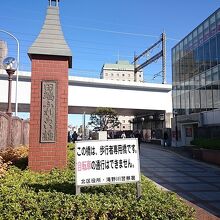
(107, 162)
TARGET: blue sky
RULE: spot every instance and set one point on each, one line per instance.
(100, 31)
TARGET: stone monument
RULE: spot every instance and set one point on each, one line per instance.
(51, 57)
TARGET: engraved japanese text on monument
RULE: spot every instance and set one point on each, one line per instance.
(48, 112)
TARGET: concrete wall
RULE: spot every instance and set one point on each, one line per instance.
(13, 131)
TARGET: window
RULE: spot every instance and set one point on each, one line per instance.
(209, 97)
(212, 25)
(218, 21)
(203, 92)
(123, 126)
(206, 56)
(202, 79)
(200, 34)
(213, 52)
(216, 87)
(106, 74)
(190, 41)
(215, 74)
(185, 46)
(123, 121)
(195, 39)
(197, 100)
(181, 49)
(192, 100)
(203, 99)
(200, 56)
(177, 52)
(206, 30)
(218, 48)
(216, 95)
(196, 81)
(208, 77)
(195, 62)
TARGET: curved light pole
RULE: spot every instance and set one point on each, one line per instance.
(17, 71)
(10, 65)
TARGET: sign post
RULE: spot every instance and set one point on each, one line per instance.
(112, 161)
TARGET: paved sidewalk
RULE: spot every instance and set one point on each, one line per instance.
(196, 182)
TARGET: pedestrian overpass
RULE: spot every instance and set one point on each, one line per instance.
(86, 94)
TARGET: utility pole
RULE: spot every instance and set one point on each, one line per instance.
(163, 58)
(154, 58)
(135, 67)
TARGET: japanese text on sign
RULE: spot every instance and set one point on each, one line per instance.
(109, 161)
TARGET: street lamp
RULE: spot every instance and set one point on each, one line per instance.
(17, 71)
(175, 113)
(10, 65)
(142, 126)
(142, 122)
(151, 117)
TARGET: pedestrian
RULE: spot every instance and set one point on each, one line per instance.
(69, 137)
(165, 137)
(138, 136)
(123, 135)
(74, 136)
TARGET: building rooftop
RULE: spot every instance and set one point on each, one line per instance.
(119, 65)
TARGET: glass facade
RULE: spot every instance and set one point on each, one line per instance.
(196, 68)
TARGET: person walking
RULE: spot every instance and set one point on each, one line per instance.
(74, 137)
(123, 135)
(138, 136)
(165, 137)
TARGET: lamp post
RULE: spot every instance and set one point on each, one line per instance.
(142, 125)
(151, 117)
(17, 71)
(10, 65)
(142, 122)
(176, 128)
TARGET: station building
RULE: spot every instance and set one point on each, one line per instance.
(196, 83)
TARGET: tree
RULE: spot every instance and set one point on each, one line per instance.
(104, 119)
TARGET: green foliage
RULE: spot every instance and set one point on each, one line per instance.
(104, 119)
(16, 156)
(28, 195)
(3, 166)
(207, 143)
